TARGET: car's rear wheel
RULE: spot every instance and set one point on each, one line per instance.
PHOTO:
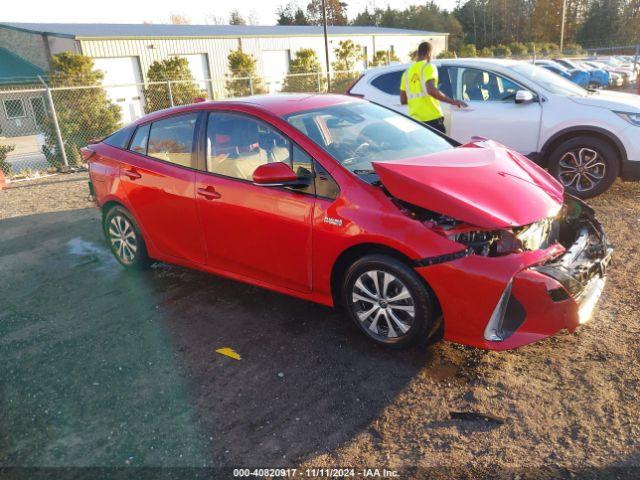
(388, 301)
(585, 166)
(125, 239)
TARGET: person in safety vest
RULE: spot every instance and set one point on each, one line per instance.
(419, 90)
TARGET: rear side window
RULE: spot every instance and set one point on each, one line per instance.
(119, 138)
(139, 141)
(388, 82)
(171, 139)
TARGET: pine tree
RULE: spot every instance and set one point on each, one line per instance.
(83, 114)
(184, 89)
(310, 78)
(243, 80)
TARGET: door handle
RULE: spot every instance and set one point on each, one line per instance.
(132, 174)
(209, 193)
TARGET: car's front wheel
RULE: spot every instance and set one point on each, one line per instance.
(388, 301)
(124, 239)
(586, 166)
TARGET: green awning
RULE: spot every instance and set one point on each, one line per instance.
(17, 70)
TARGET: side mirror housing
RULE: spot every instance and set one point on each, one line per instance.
(524, 96)
(278, 174)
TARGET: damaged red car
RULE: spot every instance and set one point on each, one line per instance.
(343, 202)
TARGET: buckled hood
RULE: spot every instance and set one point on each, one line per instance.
(488, 187)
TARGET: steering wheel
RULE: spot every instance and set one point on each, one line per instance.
(360, 149)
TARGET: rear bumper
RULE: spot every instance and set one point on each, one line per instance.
(500, 303)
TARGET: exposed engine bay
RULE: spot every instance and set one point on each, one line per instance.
(587, 252)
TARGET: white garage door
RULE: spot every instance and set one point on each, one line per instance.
(122, 81)
(199, 66)
(275, 66)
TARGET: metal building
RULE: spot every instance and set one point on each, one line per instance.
(124, 52)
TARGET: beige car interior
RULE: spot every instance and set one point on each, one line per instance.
(173, 142)
(237, 146)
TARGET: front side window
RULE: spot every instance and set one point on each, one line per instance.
(358, 133)
(237, 145)
(483, 86)
(171, 139)
(14, 108)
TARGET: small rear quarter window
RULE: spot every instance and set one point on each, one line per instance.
(119, 138)
(388, 82)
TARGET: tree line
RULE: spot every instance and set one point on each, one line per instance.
(487, 24)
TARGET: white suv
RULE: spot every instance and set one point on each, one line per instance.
(586, 139)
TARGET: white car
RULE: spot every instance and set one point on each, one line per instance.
(586, 139)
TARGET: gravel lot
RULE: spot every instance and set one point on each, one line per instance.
(127, 361)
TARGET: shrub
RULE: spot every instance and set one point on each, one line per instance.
(347, 56)
(83, 114)
(468, 51)
(501, 51)
(183, 92)
(446, 54)
(243, 80)
(383, 57)
(5, 150)
(573, 49)
(305, 61)
(486, 52)
(518, 49)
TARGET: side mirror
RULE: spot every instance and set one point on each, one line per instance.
(278, 174)
(524, 96)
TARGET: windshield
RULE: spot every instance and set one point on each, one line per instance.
(356, 134)
(569, 64)
(550, 81)
(612, 61)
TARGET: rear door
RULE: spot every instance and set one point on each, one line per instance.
(492, 111)
(256, 232)
(385, 90)
(159, 179)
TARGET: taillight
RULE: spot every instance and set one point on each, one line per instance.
(87, 153)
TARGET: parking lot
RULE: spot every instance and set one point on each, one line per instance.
(109, 368)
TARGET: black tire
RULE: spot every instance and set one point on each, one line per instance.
(116, 220)
(565, 161)
(420, 326)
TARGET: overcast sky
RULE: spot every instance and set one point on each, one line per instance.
(157, 11)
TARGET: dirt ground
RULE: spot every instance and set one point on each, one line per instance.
(103, 367)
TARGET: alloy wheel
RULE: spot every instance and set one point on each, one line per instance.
(581, 169)
(122, 236)
(383, 304)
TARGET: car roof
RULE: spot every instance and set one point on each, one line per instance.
(280, 104)
(468, 62)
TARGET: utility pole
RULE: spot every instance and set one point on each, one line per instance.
(326, 44)
(564, 16)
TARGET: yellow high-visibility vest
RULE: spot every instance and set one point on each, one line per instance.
(422, 106)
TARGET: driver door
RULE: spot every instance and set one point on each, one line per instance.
(252, 231)
(492, 111)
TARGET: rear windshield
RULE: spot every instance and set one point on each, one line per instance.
(355, 134)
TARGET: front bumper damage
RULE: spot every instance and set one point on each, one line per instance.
(504, 302)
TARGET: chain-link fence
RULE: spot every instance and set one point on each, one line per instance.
(42, 128)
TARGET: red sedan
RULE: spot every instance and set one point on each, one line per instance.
(343, 202)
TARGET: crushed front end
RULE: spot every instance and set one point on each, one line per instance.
(511, 287)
